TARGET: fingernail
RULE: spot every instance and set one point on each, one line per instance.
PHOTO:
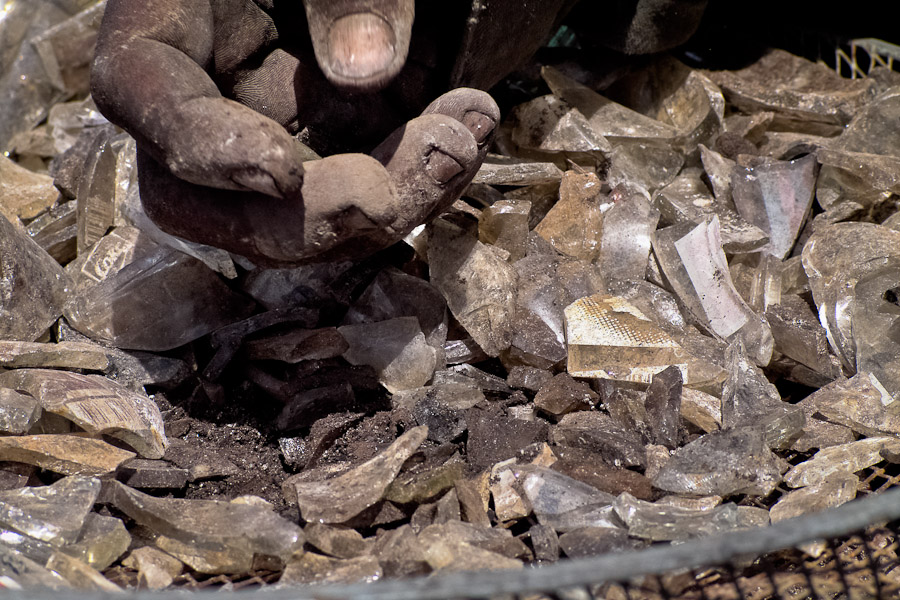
(360, 45)
(256, 180)
(442, 167)
(479, 124)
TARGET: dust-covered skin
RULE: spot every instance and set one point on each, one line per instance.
(217, 93)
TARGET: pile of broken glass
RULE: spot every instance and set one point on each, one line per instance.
(660, 312)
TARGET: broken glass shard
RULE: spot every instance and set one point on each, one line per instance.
(658, 522)
(845, 458)
(563, 503)
(395, 348)
(66, 454)
(503, 170)
(339, 542)
(574, 225)
(663, 405)
(340, 498)
(34, 286)
(835, 490)
(62, 355)
(24, 573)
(551, 125)
(734, 461)
(876, 318)
(505, 224)
(649, 165)
(874, 127)
(102, 540)
(593, 541)
(55, 232)
(776, 196)
(310, 568)
(795, 88)
(478, 284)
(54, 513)
(694, 263)
(109, 255)
(156, 569)
(859, 403)
(26, 91)
(835, 257)
(606, 118)
(192, 531)
(509, 504)
(144, 473)
(393, 294)
(81, 575)
(424, 486)
(296, 345)
(96, 195)
(625, 240)
(599, 433)
(96, 404)
(687, 199)
(18, 412)
(159, 301)
(609, 338)
(23, 193)
(563, 394)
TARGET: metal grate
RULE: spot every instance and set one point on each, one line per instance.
(859, 57)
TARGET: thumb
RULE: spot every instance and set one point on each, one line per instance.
(360, 45)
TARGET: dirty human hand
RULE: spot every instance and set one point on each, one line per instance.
(214, 92)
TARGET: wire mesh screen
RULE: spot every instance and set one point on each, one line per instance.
(850, 552)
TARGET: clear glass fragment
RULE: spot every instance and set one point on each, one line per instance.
(35, 286)
(563, 503)
(156, 569)
(694, 263)
(830, 492)
(502, 170)
(599, 433)
(846, 458)
(306, 568)
(96, 404)
(574, 225)
(159, 301)
(609, 338)
(606, 118)
(859, 403)
(192, 531)
(776, 196)
(340, 498)
(55, 231)
(54, 513)
(835, 257)
(393, 294)
(625, 237)
(687, 199)
(61, 355)
(18, 412)
(505, 224)
(795, 88)
(722, 463)
(23, 193)
(338, 542)
(395, 348)
(658, 522)
(551, 125)
(66, 454)
(477, 283)
(101, 542)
